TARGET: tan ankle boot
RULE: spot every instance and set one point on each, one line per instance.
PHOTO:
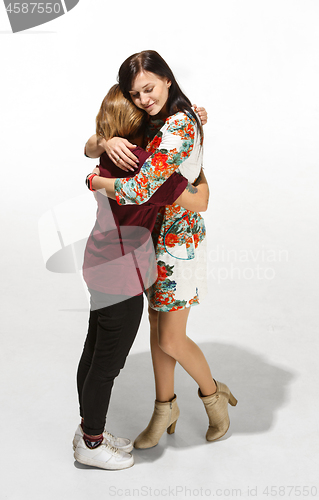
(165, 416)
(217, 411)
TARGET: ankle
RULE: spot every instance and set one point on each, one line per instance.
(93, 441)
(166, 400)
(211, 393)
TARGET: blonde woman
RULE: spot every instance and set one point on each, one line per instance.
(114, 283)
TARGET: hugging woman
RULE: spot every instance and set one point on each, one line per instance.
(121, 235)
(173, 137)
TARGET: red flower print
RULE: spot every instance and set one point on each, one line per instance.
(156, 142)
(176, 308)
(194, 300)
(162, 273)
(160, 161)
(144, 181)
(171, 240)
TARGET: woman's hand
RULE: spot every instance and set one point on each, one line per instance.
(202, 113)
(119, 151)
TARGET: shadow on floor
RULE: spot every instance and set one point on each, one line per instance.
(260, 387)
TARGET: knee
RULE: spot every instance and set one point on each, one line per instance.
(167, 343)
(106, 375)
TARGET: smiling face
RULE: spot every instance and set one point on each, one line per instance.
(150, 92)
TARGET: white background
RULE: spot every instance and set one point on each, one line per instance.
(254, 66)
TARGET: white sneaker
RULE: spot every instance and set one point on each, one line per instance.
(123, 444)
(104, 456)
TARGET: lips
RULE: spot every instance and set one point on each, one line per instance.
(149, 106)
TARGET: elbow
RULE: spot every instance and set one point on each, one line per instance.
(89, 152)
(204, 200)
(204, 206)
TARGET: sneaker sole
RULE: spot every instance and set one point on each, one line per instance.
(97, 463)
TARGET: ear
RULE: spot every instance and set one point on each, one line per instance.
(168, 83)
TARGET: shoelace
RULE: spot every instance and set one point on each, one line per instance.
(112, 449)
(109, 436)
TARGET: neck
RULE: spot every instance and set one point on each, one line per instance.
(162, 115)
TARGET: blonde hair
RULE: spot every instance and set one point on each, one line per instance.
(118, 116)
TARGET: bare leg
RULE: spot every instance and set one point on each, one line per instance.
(173, 341)
(163, 364)
(168, 334)
(169, 344)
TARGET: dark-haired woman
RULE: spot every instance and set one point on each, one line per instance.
(117, 261)
(147, 80)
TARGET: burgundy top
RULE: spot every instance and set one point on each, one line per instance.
(120, 241)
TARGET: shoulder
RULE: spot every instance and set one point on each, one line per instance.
(141, 154)
(181, 122)
(180, 117)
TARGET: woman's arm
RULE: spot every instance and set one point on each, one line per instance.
(196, 196)
(116, 148)
(105, 184)
(94, 147)
(175, 143)
(120, 148)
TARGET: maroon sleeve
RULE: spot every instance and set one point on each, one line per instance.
(169, 191)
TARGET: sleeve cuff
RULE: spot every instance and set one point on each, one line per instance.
(118, 192)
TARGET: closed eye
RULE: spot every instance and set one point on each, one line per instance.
(146, 91)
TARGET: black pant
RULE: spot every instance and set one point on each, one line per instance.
(110, 336)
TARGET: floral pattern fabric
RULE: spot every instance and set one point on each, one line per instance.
(179, 234)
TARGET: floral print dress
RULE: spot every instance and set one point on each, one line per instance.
(179, 234)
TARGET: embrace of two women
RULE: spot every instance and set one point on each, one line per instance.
(150, 188)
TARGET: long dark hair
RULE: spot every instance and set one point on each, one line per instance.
(150, 60)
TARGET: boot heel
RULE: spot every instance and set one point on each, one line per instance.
(232, 400)
(171, 428)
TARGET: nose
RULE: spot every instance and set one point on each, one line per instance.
(144, 99)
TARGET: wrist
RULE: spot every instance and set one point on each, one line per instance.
(89, 181)
(102, 143)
